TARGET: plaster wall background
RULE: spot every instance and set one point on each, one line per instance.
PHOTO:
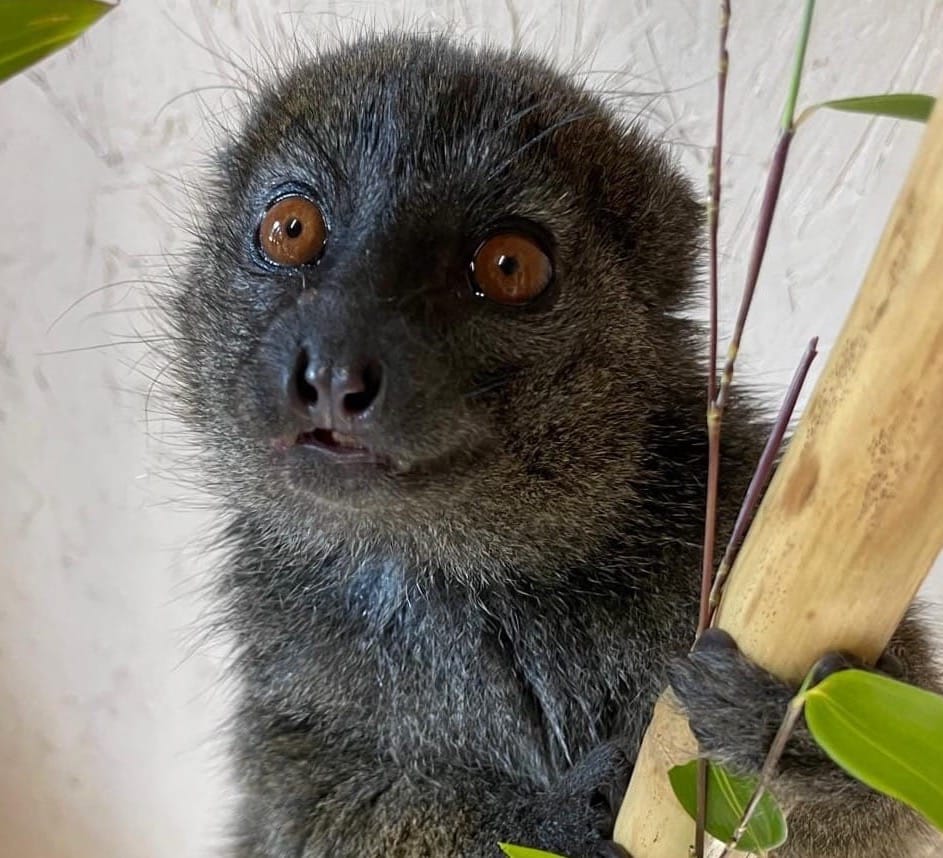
(109, 699)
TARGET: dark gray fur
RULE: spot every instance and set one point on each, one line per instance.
(466, 648)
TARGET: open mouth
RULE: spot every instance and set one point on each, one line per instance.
(330, 439)
(338, 446)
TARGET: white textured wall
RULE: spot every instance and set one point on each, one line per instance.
(107, 705)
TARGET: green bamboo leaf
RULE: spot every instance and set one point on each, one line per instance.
(898, 105)
(31, 29)
(727, 797)
(883, 732)
(513, 851)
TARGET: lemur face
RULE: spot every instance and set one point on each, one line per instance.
(427, 293)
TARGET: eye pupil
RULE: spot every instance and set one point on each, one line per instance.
(294, 228)
(508, 265)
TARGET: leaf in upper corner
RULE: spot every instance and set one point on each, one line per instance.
(727, 797)
(513, 851)
(885, 733)
(31, 29)
(898, 105)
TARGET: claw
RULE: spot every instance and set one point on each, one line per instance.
(830, 663)
(891, 665)
(613, 791)
(888, 664)
(715, 640)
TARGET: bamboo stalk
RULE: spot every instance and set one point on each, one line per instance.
(853, 519)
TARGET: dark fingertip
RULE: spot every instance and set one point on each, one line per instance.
(891, 665)
(828, 664)
(715, 640)
(610, 849)
(613, 795)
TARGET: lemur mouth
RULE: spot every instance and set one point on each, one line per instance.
(338, 446)
(330, 439)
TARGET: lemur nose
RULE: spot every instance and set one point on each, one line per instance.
(335, 395)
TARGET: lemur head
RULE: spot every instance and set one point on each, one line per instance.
(431, 306)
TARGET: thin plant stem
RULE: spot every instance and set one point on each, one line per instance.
(760, 242)
(768, 209)
(783, 734)
(768, 771)
(700, 816)
(713, 218)
(710, 514)
(762, 473)
(789, 111)
(713, 206)
(710, 517)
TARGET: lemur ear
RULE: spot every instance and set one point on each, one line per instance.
(645, 207)
(657, 220)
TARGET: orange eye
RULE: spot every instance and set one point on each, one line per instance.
(511, 268)
(292, 231)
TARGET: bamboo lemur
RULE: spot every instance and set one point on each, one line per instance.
(431, 342)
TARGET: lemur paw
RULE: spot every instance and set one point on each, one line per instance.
(599, 782)
(735, 707)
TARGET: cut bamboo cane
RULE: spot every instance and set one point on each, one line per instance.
(853, 518)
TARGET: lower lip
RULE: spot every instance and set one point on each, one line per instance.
(337, 452)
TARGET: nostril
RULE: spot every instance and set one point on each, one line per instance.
(305, 379)
(365, 390)
(322, 391)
